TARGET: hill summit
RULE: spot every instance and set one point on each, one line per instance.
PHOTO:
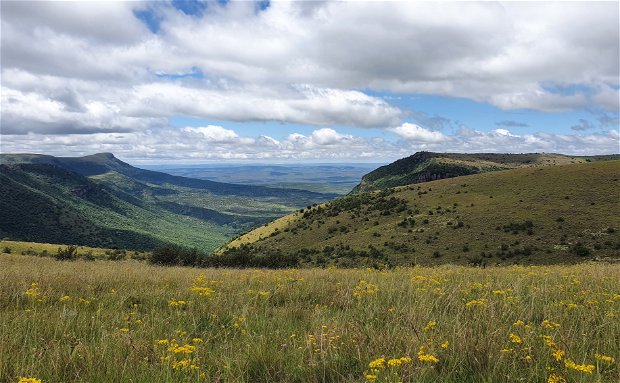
(429, 166)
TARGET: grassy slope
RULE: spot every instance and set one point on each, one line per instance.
(585, 196)
(304, 325)
(36, 248)
(44, 203)
(428, 166)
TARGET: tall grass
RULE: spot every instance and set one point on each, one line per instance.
(131, 322)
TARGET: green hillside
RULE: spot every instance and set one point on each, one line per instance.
(101, 201)
(428, 166)
(533, 215)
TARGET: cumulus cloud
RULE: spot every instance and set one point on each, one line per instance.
(496, 53)
(416, 133)
(72, 69)
(213, 133)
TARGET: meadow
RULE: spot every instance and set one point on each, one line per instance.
(128, 321)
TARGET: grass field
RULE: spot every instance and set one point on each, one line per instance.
(130, 322)
(49, 249)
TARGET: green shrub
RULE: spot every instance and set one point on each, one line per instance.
(69, 253)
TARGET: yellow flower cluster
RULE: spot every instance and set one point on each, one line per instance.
(550, 325)
(605, 358)
(555, 378)
(430, 325)
(34, 293)
(475, 302)
(399, 361)
(514, 338)
(202, 290)
(380, 367)
(28, 380)
(588, 368)
(424, 357)
(177, 303)
(180, 357)
(202, 286)
(364, 288)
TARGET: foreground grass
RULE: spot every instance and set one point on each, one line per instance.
(131, 322)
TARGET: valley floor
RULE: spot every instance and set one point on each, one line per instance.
(131, 322)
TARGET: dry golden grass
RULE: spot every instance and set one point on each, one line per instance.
(130, 322)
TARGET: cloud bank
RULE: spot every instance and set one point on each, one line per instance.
(123, 69)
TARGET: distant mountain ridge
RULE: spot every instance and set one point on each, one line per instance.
(100, 201)
(429, 166)
(102, 163)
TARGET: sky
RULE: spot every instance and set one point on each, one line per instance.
(307, 81)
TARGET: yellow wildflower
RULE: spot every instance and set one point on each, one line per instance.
(550, 325)
(605, 358)
(475, 302)
(394, 362)
(588, 368)
(202, 291)
(515, 338)
(424, 357)
(64, 298)
(28, 380)
(445, 345)
(505, 350)
(519, 323)
(124, 330)
(557, 354)
(181, 364)
(430, 325)
(364, 288)
(162, 341)
(371, 377)
(377, 363)
(554, 378)
(197, 340)
(185, 349)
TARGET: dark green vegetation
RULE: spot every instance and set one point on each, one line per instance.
(427, 166)
(323, 178)
(101, 201)
(535, 215)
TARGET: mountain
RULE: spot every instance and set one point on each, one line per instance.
(530, 215)
(428, 166)
(99, 200)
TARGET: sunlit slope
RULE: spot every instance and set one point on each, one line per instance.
(564, 213)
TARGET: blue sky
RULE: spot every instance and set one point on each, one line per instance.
(220, 81)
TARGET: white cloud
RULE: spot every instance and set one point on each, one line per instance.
(70, 69)
(413, 132)
(328, 136)
(504, 132)
(213, 133)
(496, 53)
(214, 143)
